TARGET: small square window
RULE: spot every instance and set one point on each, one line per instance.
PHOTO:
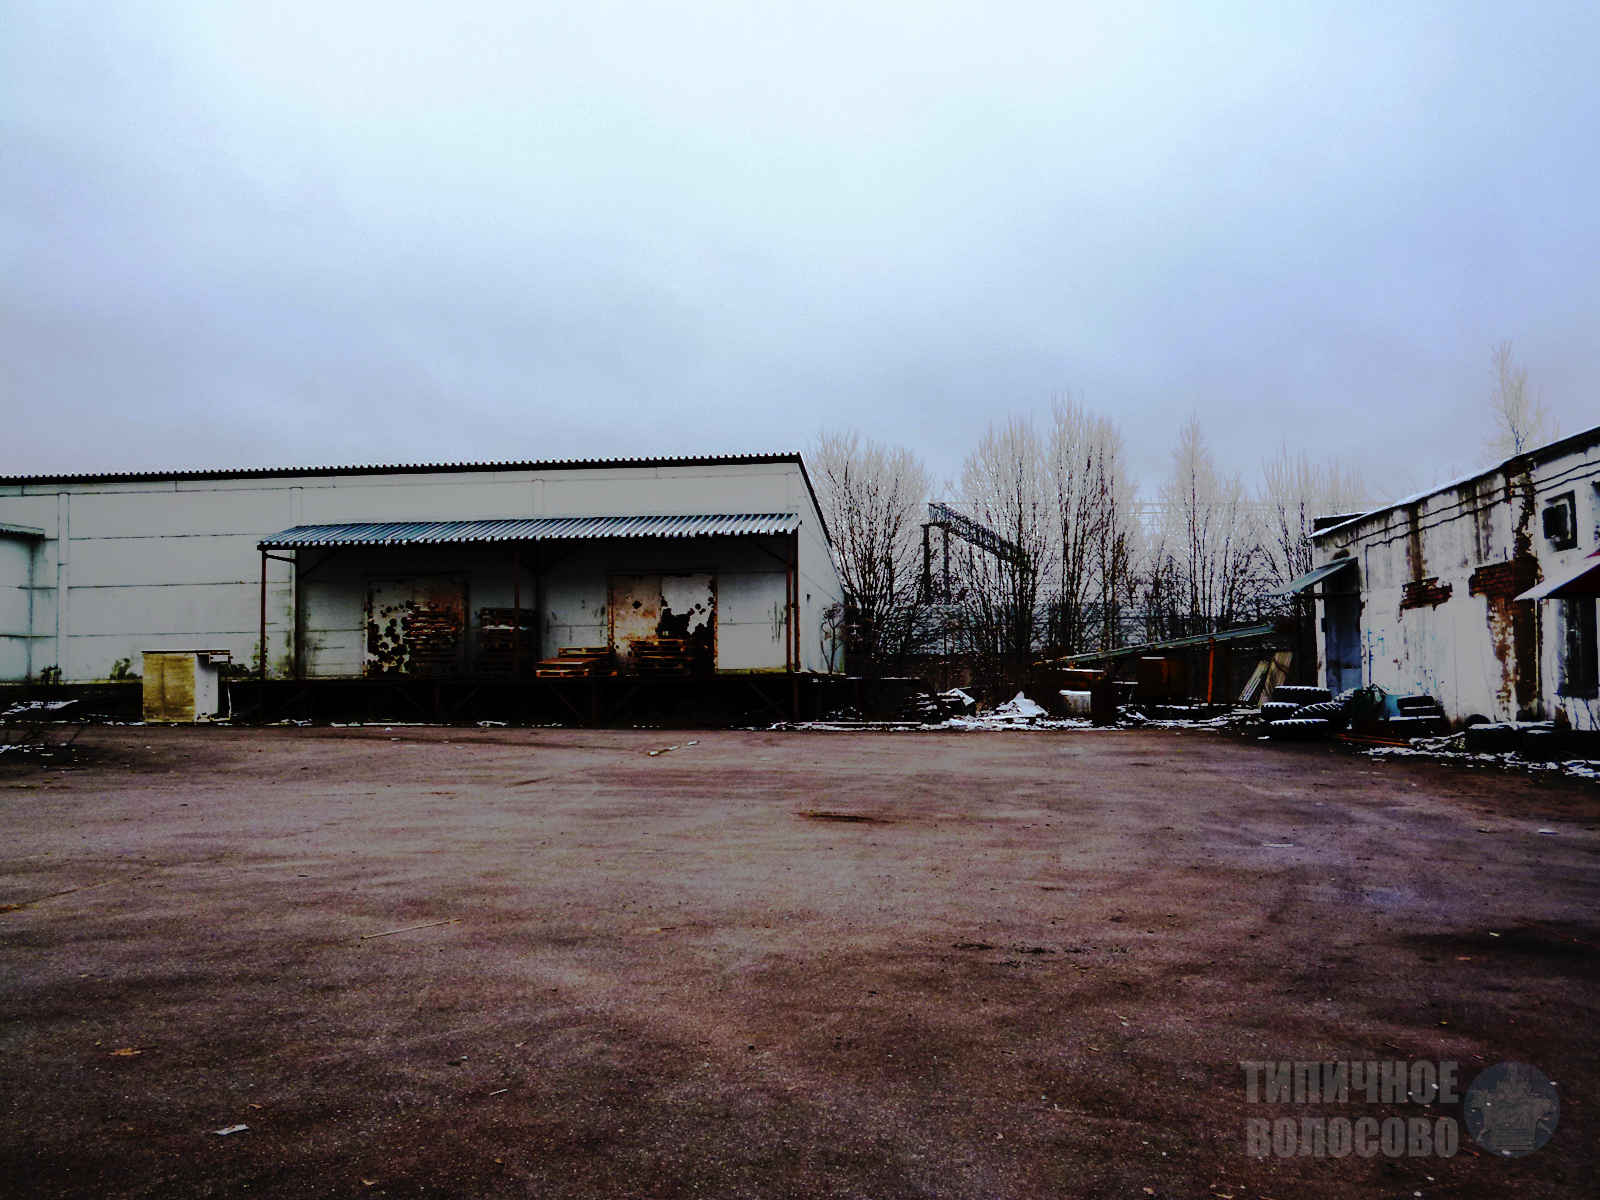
(1561, 522)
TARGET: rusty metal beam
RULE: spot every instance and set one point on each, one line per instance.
(297, 634)
(617, 707)
(400, 691)
(538, 599)
(261, 666)
(770, 704)
(582, 720)
(462, 703)
(791, 650)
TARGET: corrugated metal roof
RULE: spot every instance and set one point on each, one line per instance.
(551, 464)
(1314, 576)
(1199, 639)
(1573, 443)
(530, 529)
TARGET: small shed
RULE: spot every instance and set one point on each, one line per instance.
(183, 686)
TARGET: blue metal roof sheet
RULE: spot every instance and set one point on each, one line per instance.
(530, 529)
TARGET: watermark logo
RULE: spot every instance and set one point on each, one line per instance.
(1512, 1109)
(1333, 1083)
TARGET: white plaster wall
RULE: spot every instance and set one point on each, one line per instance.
(17, 556)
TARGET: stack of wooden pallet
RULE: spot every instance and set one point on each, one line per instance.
(497, 640)
(433, 641)
(660, 656)
(575, 661)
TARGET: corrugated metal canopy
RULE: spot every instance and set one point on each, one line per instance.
(1199, 639)
(530, 529)
(1311, 578)
(1581, 580)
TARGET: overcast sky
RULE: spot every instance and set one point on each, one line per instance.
(306, 233)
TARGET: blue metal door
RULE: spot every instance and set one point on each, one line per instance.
(1341, 630)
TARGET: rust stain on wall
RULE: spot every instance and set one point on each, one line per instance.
(1414, 559)
(675, 612)
(1514, 624)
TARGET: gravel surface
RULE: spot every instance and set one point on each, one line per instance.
(446, 962)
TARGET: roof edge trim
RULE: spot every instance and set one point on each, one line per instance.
(1581, 440)
(456, 468)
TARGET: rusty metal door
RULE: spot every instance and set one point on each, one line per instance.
(1341, 624)
(416, 626)
(653, 608)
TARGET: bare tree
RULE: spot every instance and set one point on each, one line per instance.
(1005, 486)
(1521, 420)
(1095, 534)
(1294, 492)
(1121, 548)
(1207, 565)
(872, 497)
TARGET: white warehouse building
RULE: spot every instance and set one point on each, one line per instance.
(691, 565)
(1480, 594)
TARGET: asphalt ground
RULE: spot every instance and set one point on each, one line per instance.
(770, 964)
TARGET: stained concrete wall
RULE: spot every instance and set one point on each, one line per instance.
(575, 594)
(1437, 575)
(134, 563)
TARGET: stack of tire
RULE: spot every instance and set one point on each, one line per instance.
(1298, 714)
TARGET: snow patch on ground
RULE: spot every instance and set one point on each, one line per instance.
(1001, 719)
(1449, 749)
(983, 722)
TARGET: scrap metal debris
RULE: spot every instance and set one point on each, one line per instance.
(851, 818)
(230, 1129)
(1553, 933)
(367, 937)
(8, 908)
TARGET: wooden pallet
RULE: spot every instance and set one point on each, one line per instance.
(433, 642)
(575, 662)
(660, 656)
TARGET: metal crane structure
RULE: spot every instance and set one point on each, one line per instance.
(948, 520)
